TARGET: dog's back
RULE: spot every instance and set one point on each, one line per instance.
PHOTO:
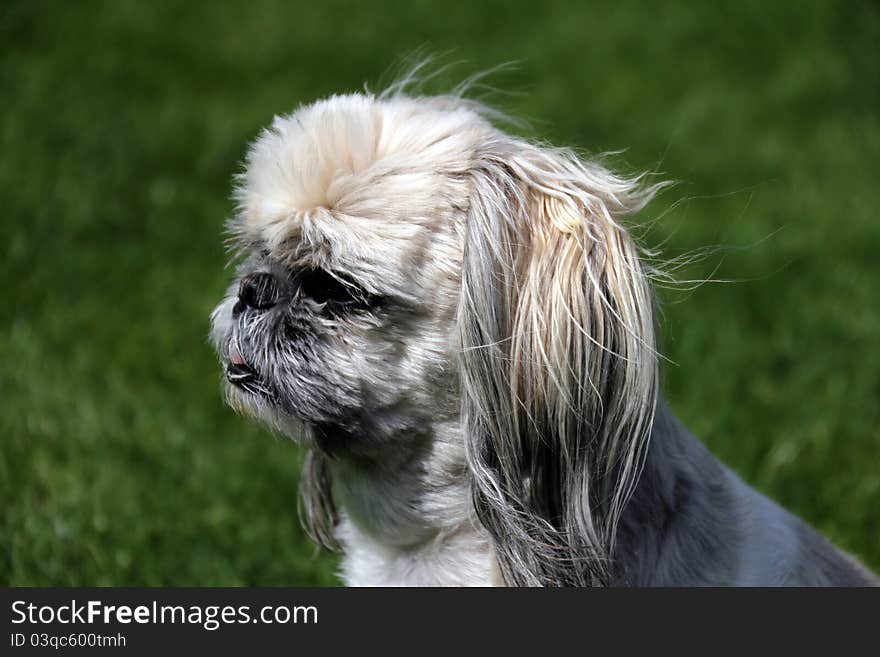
(693, 522)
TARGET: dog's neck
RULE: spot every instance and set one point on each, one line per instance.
(408, 519)
(407, 516)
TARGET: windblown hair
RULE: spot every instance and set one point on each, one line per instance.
(559, 369)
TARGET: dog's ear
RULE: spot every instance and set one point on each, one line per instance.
(558, 364)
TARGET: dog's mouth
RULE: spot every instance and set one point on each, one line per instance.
(239, 373)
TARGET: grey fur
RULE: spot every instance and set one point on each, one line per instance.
(693, 522)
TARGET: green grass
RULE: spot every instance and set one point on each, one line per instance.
(122, 123)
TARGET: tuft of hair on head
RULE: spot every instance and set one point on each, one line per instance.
(558, 362)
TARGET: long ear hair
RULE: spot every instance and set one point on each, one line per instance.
(558, 364)
(317, 510)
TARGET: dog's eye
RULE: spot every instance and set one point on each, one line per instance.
(337, 293)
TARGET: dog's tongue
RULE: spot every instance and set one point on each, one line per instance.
(235, 357)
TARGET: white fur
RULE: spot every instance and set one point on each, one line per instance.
(411, 523)
(461, 558)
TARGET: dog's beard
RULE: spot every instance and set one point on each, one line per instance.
(283, 368)
(338, 381)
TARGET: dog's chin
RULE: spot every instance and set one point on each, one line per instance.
(247, 399)
(330, 423)
(252, 397)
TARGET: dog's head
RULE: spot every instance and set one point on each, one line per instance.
(406, 262)
(342, 317)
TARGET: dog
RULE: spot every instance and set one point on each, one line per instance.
(458, 326)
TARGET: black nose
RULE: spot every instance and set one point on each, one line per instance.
(258, 291)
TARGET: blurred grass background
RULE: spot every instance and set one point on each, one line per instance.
(122, 123)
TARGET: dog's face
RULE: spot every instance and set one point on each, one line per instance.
(341, 317)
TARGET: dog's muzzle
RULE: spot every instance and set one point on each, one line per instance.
(240, 374)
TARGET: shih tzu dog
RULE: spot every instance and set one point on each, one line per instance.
(461, 330)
